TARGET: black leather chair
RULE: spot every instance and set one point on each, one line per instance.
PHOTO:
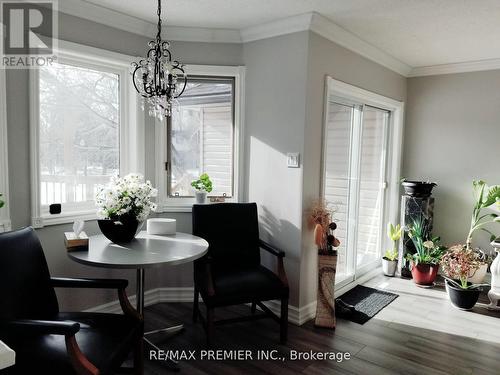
(231, 273)
(47, 341)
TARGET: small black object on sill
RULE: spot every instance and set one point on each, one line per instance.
(55, 208)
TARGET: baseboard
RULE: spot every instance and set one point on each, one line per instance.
(296, 315)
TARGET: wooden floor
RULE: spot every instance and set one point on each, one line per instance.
(419, 333)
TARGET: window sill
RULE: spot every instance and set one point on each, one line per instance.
(185, 206)
(70, 217)
(5, 225)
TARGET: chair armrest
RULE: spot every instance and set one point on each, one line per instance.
(65, 282)
(271, 249)
(119, 284)
(280, 254)
(40, 327)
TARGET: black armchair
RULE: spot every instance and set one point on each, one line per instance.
(47, 341)
(231, 273)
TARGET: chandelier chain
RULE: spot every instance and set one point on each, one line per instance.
(158, 12)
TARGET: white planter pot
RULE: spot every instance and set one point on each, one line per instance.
(478, 276)
(201, 197)
(389, 267)
(494, 293)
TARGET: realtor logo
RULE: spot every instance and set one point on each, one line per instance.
(28, 33)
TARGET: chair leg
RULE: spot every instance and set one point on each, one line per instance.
(195, 304)
(254, 307)
(139, 357)
(284, 320)
(210, 325)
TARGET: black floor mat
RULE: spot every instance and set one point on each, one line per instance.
(367, 303)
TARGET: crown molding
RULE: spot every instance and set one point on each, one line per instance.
(121, 21)
(329, 30)
(464, 67)
(333, 32)
(283, 26)
(309, 21)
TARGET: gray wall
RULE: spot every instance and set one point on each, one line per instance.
(329, 59)
(275, 114)
(85, 32)
(285, 114)
(451, 137)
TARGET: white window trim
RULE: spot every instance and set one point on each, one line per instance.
(132, 158)
(352, 94)
(185, 204)
(5, 224)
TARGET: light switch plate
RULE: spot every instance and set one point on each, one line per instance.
(293, 160)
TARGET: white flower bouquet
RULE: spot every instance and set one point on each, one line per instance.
(126, 196)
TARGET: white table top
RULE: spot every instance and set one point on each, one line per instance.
(7, 356)
(144, 252)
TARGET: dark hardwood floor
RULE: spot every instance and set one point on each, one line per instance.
(377, 347)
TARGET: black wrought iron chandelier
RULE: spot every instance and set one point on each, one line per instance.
(158, 78)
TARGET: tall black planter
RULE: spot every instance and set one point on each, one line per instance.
(412, 208)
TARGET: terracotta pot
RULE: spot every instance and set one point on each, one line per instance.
(424, 274)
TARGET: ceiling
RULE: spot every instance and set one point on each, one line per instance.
(416, 32)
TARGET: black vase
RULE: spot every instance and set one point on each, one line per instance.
(121, 229)
(419, 189)
(464, 299)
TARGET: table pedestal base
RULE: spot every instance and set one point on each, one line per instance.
(140, 308)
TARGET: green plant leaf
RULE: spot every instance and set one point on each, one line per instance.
(493, 193)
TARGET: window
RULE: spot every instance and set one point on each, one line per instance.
(201, 136)
(360, 179)
(80, 121)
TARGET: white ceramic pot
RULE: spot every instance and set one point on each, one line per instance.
(478, 276)
(201, 196)
(494, 293)
(389, 267)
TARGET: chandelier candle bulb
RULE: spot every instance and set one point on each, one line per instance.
(161, 226)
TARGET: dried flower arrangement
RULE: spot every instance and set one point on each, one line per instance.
(320, 217)
(458, 263)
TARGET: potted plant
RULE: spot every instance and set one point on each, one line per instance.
(457, 264)
(2, 202)
(321, 219)
(485, 197)
(390, 258)
(123, 206)
(421, 189)
(424, 264)
(202, 187)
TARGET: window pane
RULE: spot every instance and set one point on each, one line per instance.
(336, 188)
(79, 132)
(371, 190)
(202, 137)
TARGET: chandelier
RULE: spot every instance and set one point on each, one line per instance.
(158, 78)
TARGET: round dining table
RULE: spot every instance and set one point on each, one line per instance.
(145, 251)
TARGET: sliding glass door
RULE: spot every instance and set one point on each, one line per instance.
(355, 151)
